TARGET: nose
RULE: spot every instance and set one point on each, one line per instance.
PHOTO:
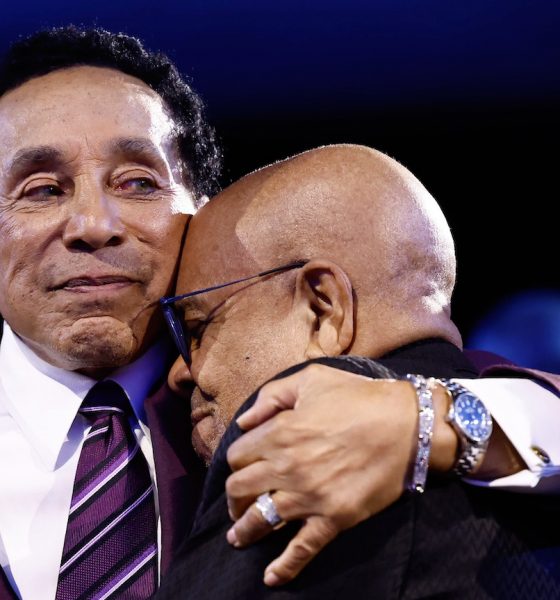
(95, 220)
(180, 379)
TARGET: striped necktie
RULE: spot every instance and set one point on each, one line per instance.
(110, 549)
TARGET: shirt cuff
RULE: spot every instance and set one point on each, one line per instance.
(529, 415)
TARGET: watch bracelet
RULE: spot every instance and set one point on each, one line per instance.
(470, 455)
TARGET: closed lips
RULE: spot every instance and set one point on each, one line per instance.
(84, 281)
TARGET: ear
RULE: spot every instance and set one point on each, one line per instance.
(325, 292)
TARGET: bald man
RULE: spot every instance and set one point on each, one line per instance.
(359, 261)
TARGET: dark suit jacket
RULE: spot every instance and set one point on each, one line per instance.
(453, 541)
(178, 471)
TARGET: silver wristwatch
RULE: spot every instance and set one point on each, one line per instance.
(472, 422)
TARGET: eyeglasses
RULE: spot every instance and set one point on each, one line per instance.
(179, 334)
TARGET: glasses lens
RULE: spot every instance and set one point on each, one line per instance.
(177, 331)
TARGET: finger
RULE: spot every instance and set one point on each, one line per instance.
(273, 398)
(251, 527)
(256, 444)
(248, 448)
(243, 487)
(314, 535)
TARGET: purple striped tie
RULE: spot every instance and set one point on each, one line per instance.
(110, 549)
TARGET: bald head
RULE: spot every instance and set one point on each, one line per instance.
(379, 271)
(351, 205)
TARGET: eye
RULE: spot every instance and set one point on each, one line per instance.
(45, 191)
(196, 329)
(137, 185)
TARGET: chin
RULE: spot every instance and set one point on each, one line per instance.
(97, 343)
(202, 449)
(206, 437)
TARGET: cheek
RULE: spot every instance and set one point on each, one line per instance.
(163, 243)
(278, 346)
(20, 251)
(237, 357)
(221, 368)
(240, 369)
(239, 363)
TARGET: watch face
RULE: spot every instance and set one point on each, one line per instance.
(473, 417)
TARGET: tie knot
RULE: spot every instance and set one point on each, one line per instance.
(105, 397)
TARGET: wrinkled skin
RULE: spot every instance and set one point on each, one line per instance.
(92, 215)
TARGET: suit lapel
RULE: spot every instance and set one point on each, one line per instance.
(493, 365)
(179, 473)
(550, 380)
(6, 592)
(482, 359)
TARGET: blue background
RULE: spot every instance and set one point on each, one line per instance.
(465, 94)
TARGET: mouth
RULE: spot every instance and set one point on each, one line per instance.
(202, 406)
(86, 283)
(206, 433)
(199, 414)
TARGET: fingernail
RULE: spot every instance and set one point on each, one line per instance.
(270, 578)
(241, 420)
(232, 538)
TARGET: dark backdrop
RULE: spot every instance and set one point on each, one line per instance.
(464, 94)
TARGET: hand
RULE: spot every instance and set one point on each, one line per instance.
(335, 448)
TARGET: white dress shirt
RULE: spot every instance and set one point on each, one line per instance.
(41, 435)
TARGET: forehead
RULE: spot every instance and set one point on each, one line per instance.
(79, 107)
(214, 251)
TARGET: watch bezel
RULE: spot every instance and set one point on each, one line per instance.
(465, 424)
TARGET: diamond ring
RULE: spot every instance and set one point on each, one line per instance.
(267, 508)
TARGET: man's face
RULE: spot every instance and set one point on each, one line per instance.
(242, 336)
(92, 213)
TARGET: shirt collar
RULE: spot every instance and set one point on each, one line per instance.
(44, 400)
(139, 378)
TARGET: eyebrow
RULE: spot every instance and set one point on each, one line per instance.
(192, 306)
(136, 148)
(35, 157)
